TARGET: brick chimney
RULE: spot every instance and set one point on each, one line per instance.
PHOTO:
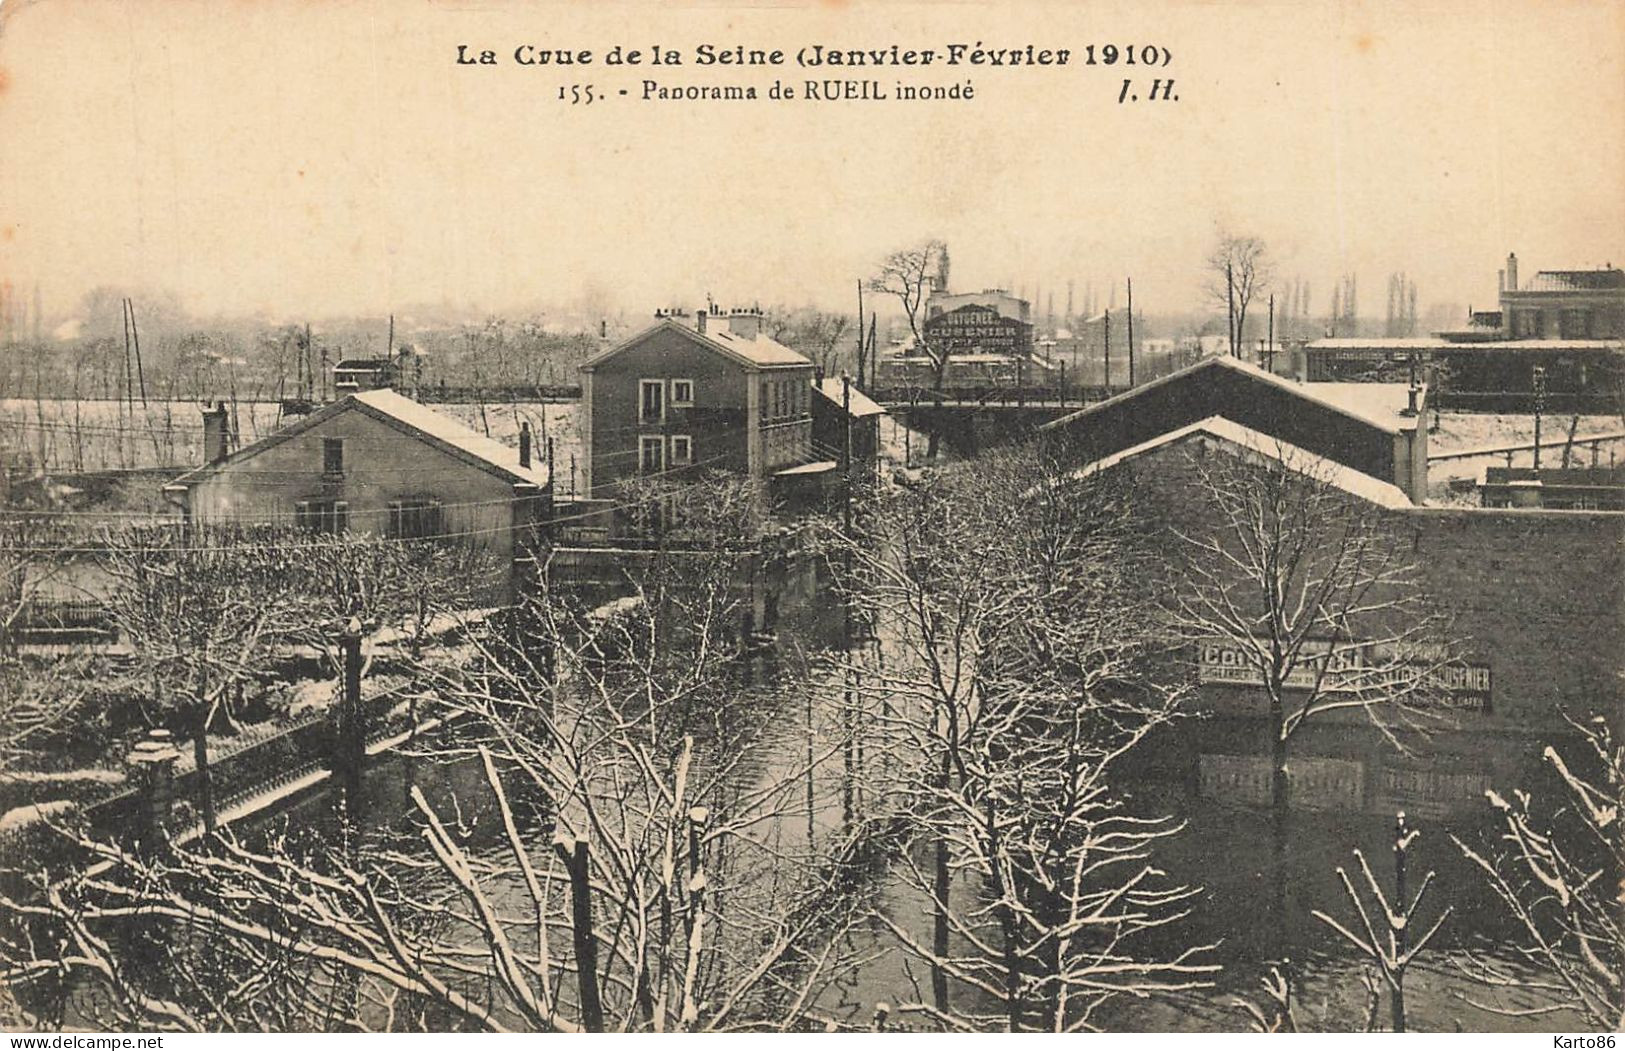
(524, 444)
(1512, 272)
(215, 434)
(699, 321)
(746, 323)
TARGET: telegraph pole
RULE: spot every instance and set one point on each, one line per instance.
(1107, 316)
(1269, 342)
(1131, 332)
(135, 339)
(1230, 296)
(848, 795)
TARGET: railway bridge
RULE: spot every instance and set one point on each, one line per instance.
(970, 422)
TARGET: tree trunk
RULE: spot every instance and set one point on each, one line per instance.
(1278, 808)
(939, 929)
(200, 753)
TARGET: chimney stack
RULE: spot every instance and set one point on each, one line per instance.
(699, 321)
(745, 323)
(1512, 272)
(215, 445)
(524, 444)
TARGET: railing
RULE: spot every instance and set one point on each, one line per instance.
(1071, 396)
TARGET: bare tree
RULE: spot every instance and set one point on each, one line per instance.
(910, 274)
(819, 334)
(36, 552)
(1559, 868)
(1286, 582)
(1397, 945)
(1239, 270)
(1016, 673)
(202, 615)
(630, 870)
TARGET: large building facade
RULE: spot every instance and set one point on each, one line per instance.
(693, 392)
(1526, 601)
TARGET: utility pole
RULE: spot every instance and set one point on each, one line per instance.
(850, 676)
(135, 338)
(1230, 296)
(874, 356)
(1130, 332)
(1269, 342)
(1106, 316)
(129, 398)
(862, 357)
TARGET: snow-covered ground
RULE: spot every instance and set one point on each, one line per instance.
(1475, 430)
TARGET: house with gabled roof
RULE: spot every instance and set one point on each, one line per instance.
(707, 391)
(1376, 429)
(376, 462)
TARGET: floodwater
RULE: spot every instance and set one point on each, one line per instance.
(1223, 850)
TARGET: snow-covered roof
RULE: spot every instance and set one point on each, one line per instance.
(1477, 346)
(861, 404)
(816, 467)
(760, 349)
(405, 414)
(1379, 343)
(1356, 483)
(1375, 403)
(760, 352)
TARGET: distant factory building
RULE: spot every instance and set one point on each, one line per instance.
(1561, 334)
(997, 300)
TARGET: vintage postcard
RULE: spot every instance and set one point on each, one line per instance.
(826, 517)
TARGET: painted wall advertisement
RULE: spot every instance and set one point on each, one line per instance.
(1354, 667)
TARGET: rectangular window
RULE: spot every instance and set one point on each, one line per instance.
(322, 516)
(333, 456)
(766, 399)
(651, 454)
(651, 400)
(414, 519)
(682, 449)
(682, 394)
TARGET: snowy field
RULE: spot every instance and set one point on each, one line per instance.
(1472, 430)
(76, 437)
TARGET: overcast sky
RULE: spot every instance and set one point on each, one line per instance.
(302, 158)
